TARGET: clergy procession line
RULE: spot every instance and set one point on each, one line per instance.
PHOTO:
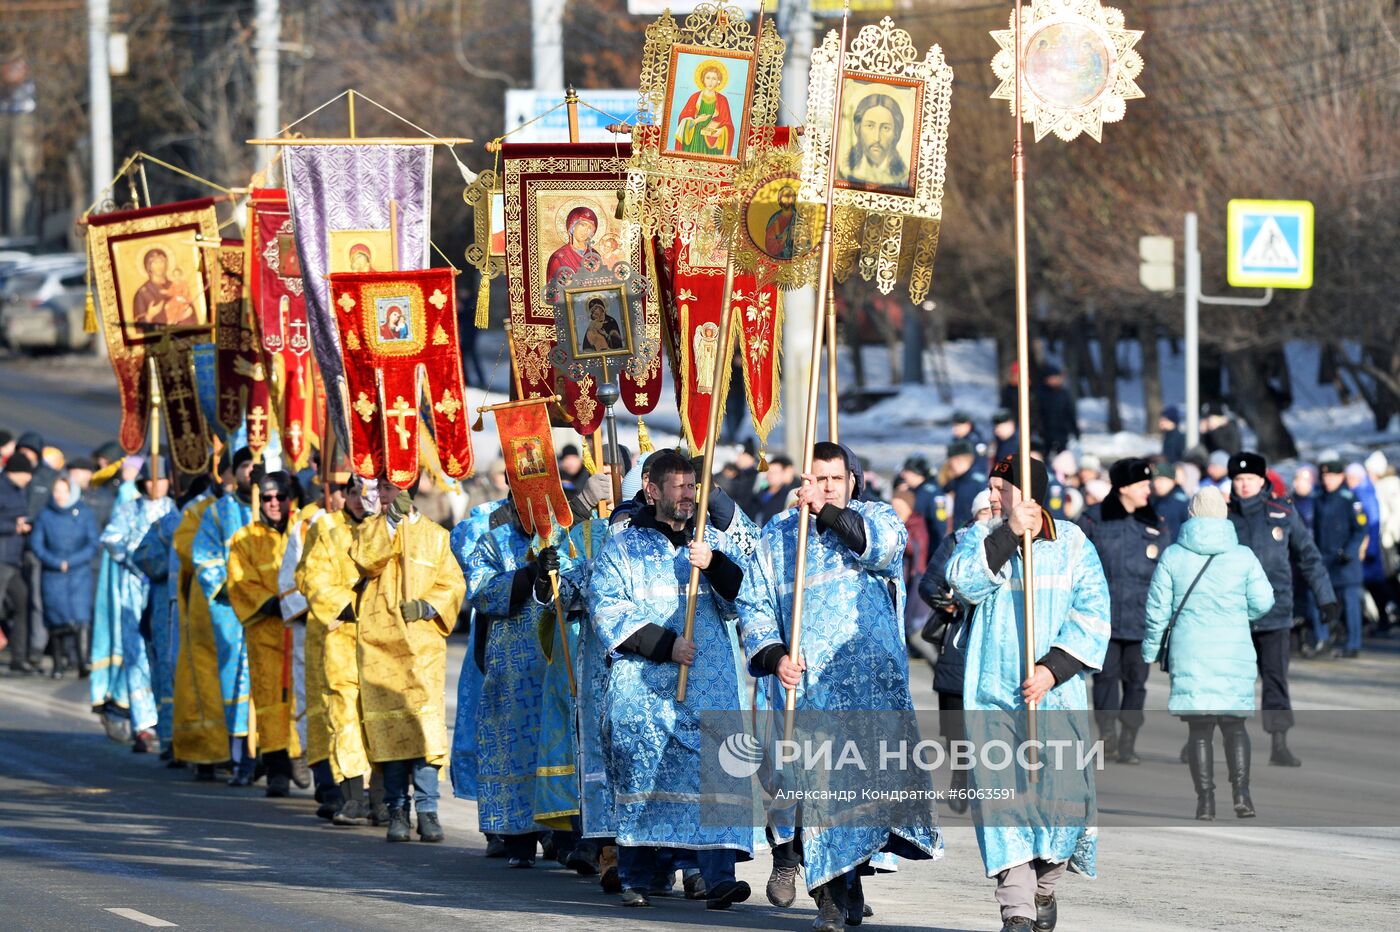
(251, 631)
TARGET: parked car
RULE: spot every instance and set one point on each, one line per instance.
(43, 308)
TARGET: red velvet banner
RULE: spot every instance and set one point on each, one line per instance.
(398, 336)
(561, 229)
(692, 287)
(533, 471)
(279, 307)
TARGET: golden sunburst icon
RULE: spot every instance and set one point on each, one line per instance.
(1079, 66)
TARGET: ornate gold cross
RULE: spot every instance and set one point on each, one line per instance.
(401, 411)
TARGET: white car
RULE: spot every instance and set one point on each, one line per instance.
(43, 308)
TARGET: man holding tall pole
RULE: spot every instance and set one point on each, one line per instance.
(853, 658)
(1027, 846)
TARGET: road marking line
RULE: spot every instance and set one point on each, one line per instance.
(135, 915)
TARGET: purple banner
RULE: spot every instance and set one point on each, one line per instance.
(354, 209)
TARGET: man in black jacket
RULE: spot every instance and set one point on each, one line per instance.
(1129, 536)
(1059, 420)
(1274, 531)
(14, 586)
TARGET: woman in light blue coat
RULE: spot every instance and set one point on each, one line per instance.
(1210, 651)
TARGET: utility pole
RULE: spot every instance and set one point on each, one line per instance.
(547, 44)
(797, 26)
(267, 45)
(1192, 329)
(99, 96)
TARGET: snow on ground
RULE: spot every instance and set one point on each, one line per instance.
(917, 418)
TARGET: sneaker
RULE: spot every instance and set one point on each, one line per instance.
(429, 828)
(634, 897)
(726, 893)
(520, 863)
(398, 826)
(782, 886)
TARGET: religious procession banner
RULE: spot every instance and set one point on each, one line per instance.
(579, 291)
(241, 377)
(890, 145)
(399, 333)
(152, 285)
(531, 467)
(692, 291)
(707, 92)
(279, 308)
(359, 209)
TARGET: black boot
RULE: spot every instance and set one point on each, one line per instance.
(832, 903)
(398, 826)
(1237, 760)
(378, 812)
(1185, 755)
(61, 640)
(429, 828)
(279, 773)
(354, 809)
(1281, 756)
(1047, 913)
(1108, 734)
(855, 902)
(1126, 753)
(1202, 761)
(84, 652)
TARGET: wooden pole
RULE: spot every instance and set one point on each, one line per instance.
(1023, 391)
(718, 380)
(824, 276)
(833, 430)
(155, 422)
(563, 631)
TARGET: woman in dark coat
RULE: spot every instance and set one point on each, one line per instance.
(65, 540)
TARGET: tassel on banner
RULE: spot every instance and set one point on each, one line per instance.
(89, 306)
(478, 425)
(89, 313)
(644, 444)
(483, 303)
(588, 464)
(763, 460)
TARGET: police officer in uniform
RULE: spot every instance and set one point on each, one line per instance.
(1168, 499)
(1276, 533)
(1340, 526)
(969, 478)
(1129, 536)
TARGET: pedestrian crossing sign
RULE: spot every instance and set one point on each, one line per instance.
(1270, 244)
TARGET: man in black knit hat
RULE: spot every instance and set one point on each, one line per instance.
(1129, 536)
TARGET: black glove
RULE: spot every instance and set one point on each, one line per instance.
(545, 562)
(271, 607)
(415, 610)
(1331, 614)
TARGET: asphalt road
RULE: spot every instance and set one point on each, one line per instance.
(94, 837)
